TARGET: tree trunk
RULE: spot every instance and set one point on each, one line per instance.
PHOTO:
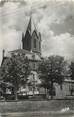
(16, 88)
(33, 89)
(15, 92)
(16, 97)
(61, 86)
(51, 90)
(46, 93)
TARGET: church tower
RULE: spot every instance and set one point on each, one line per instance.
(31, 41)
(31, 46)
(26, 39)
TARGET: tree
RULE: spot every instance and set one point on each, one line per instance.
(53, 69)
(72, 77)
(72, 70)
(16, 70)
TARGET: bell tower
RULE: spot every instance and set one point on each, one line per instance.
(3, 56)
(26, 39)
(31, 40)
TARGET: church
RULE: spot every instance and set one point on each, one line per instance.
(31, 46)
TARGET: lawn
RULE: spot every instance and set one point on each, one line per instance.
(32, 106)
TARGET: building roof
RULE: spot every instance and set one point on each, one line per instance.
(31, 27)
(28, 54)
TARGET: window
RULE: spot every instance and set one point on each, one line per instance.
(34, 43)
(39, 45)
(34, 65)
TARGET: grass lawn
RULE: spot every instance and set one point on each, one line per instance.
(32, 106)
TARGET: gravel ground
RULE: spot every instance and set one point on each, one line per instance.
(39, 114)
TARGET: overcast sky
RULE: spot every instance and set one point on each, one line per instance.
(53, 18)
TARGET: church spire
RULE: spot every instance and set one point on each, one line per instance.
(26, 39)
(29, 26)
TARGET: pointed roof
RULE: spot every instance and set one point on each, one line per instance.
(29, 26)
(35, 29)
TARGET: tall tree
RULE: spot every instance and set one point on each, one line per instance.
(53, 69)
(72, 70)
(16, 70)
(72, 77)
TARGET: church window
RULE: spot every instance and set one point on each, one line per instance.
(39, 45)
(34, 43)
(34, 65)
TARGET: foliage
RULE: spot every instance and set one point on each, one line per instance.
(53, 69)
(72, 70)
(15, 69)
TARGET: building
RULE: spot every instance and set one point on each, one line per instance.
(67, 90)
(31, 46)
(31, 40)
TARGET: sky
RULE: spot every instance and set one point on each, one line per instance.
(53, 18)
